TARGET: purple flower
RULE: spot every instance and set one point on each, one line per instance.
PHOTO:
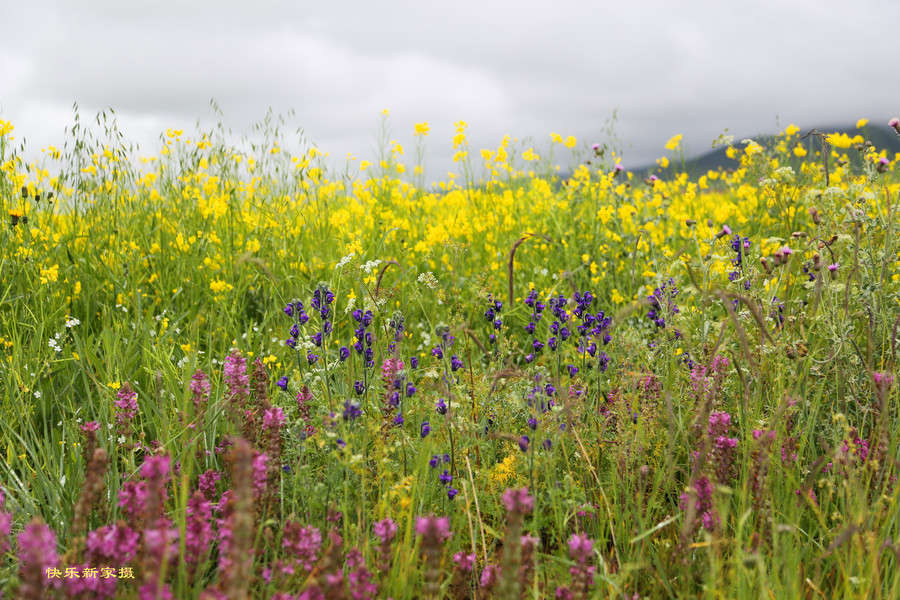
(434, 462)
(398, 420)
(524, 441)
(360, 387)
(312, 358)
(452, 492)
(455, 363)
(445, 477)
(344, 353)
(352, 410)
(425, 430)
(441, 407)
(282, 383)
(410, 389)
(414, 362)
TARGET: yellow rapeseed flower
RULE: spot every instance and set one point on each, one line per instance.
(51, 274)
(673, 142)
(421, 129)
(217, 285)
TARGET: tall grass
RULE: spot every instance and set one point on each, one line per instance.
(511, 383)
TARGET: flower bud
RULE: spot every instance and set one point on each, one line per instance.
(814, 213)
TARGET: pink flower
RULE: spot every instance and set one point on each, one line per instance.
(197, 531)
(90, 426)
(302, 543)
(465, 562)
(133, 499)
(200, 388)
(37, 553)
(126, 404)
(433, 529)
(884, 379)
(112, 545)
(385, 529)
(489, 576)
(518, 501)
(580, 547)
(259, 474)
(207, 484)
(236, 378)
(273, 418)
(156, 469)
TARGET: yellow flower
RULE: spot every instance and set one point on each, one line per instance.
(114, 385)
(51, 274)
(663, 162)
(791, 130)
(570, 141)
(861, 123)
(799, 150)
(529, 155)
(217, 285)
(421, 129)
(673, 142)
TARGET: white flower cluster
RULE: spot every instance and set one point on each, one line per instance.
(429, 280)
(72, 323)
(345, 261)
(372, 264)
(54, 342)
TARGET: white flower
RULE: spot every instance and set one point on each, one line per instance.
(372, 264)
(37, 394)
(72, 323)
(344, 261)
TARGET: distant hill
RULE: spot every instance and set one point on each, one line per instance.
(881, 136)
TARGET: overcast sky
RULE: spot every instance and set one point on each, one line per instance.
(520, 68)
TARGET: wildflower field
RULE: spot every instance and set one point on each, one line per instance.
(240, 373)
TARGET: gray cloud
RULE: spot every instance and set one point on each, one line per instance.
(523, 68)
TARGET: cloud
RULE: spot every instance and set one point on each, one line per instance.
(525, 68)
